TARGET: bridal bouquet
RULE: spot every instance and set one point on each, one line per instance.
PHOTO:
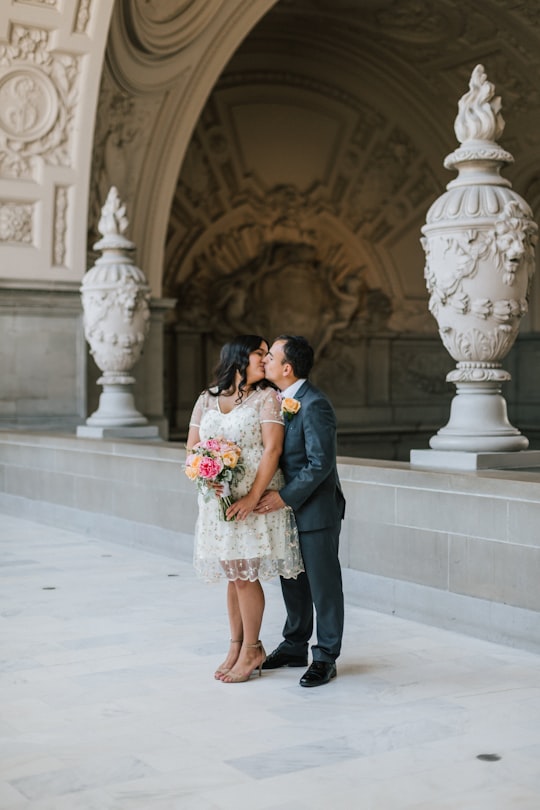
(215, 461)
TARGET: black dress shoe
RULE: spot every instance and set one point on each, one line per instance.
(278, 658)
(319, 673)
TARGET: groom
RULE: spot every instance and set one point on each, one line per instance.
(313, 491)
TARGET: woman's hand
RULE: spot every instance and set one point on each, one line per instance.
(218, 488)
(240, 509)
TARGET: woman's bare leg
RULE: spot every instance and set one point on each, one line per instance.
(237, 632)
(250, 598)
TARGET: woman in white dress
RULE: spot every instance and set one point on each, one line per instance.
(241, 406)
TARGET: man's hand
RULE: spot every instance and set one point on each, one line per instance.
(271, 501)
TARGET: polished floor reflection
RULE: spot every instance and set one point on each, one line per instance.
(108, 700)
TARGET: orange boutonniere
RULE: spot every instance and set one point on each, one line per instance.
(290, 407)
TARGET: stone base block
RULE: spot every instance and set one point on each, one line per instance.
(463, 460)
(134, 432)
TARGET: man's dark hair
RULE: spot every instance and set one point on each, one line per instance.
(298, 353)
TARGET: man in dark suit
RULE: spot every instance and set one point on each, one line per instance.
(313, 491)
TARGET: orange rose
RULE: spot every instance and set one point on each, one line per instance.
(230, 458)
(192, 466)
(289, 407)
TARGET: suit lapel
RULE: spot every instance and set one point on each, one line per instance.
(302, 390)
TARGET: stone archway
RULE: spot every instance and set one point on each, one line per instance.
(162, 60)
(352, 123)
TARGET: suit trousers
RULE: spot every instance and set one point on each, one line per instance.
(320, 586)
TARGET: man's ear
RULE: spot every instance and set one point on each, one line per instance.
(286, 369)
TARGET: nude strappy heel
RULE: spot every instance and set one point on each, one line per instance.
(221, 670)
(232, 678)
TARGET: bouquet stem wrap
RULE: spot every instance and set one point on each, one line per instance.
(225, 500)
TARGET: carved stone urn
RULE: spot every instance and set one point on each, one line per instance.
(115, 298)
(479, 242)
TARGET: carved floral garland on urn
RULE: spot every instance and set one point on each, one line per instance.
(479, 242)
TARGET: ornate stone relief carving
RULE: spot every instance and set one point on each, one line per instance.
(378, 183)
(413, 21)
(60, 225)
(253, 277)
(83, 16)
(416, 373)
(37, 102)
(16, 222)
(120, 139)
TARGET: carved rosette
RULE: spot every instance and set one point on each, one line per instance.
(479, 242)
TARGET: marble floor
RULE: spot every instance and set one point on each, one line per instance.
(107, 700)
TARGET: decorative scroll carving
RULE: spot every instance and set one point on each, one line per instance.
(16, 221)
(37, 103)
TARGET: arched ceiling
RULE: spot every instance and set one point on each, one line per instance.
(351, 104)
(374, 84)
(416, 57)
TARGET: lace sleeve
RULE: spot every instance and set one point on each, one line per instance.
(271, 407)
(198, 411)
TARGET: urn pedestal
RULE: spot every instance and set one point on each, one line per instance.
(115, 298)
(479, 242)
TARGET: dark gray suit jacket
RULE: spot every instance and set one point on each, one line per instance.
(308, 462)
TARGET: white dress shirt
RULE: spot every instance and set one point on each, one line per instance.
(292, 389)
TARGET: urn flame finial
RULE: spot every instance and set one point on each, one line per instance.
(113, 218)
(479, 111)
(112, 224)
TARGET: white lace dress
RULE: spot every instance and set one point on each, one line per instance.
(261, 546)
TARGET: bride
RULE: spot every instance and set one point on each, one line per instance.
(243, 407)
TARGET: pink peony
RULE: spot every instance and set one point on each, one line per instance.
(210, 467)
(212, 444)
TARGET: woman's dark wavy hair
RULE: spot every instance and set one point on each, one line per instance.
(234, 357)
